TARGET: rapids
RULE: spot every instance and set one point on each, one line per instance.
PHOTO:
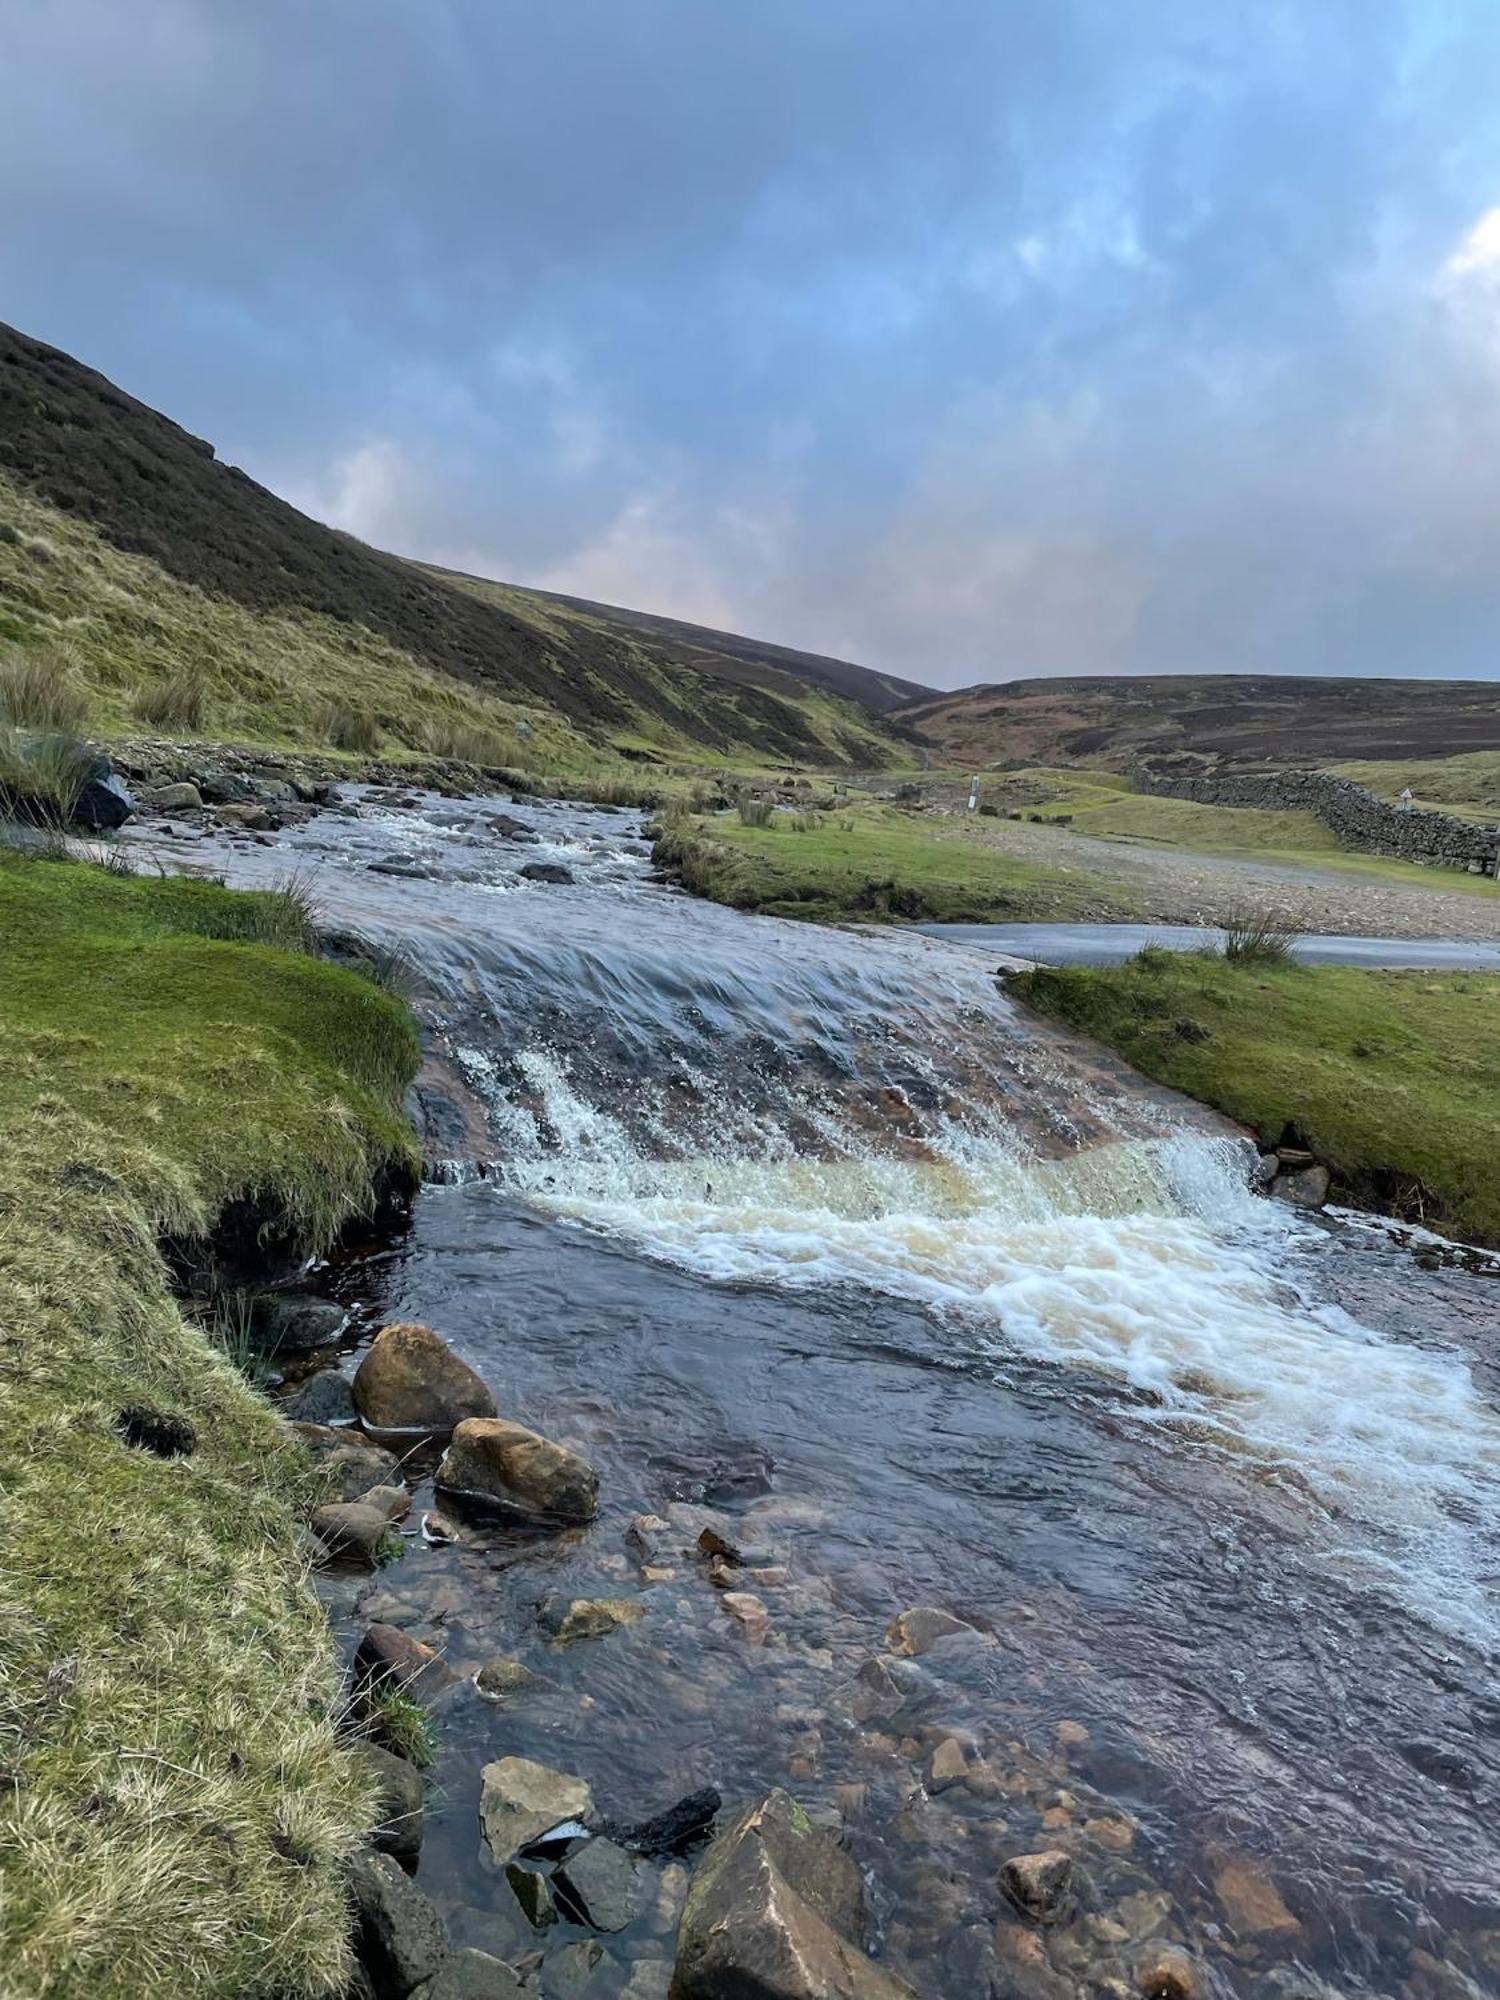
(817, 1225)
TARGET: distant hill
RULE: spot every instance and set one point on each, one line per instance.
(103, 467)
(1114, 722)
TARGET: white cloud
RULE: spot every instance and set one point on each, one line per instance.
(645, 560)
(367, 492)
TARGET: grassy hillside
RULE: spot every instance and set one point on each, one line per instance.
(177, 1811)
(1468, 785)
(1390, 1077)
(1234, 718)
(294, 611)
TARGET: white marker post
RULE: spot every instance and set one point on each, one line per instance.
(974, 793)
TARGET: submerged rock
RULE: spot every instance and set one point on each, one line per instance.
(520, 1800)
(568, 1619)
(774, 1912)
(601, 1885)
(507, 1465)
(1040, 1885)
(546, 871)
(1250, 1900)
(501, 1678)
(676, 1831)
(474, 1975)
(919, 1628)
(411, 1380)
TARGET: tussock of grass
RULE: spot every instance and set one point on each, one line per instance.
(177, 703)
(1390, 1077)
(873, 864)
(175, 1811)
(38, 691)
(43, 775)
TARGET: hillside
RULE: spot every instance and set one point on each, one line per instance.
(126, 539)
(1239, 719)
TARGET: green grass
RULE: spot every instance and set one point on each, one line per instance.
(1467, 785)
(1390, 1077)
(175, 1809)
(872, 862)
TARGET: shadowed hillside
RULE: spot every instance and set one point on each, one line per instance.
(74, 444)
(1231, 718)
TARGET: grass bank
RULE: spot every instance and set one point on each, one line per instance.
(175, 1812)
(872, 863)
(1390, 1077)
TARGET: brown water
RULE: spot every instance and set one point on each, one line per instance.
(814, 1229)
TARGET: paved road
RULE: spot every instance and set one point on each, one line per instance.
(1108, 944)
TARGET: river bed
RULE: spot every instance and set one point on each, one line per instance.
(816, 1230)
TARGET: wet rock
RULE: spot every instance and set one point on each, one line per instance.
(501, 1680)
(351, 1531)
(392, 1501)
(947, 1765)
(533, 1891)
(400, 1939)
(773, 1912)
(387, 1657)
(411, 1380)
(324, 1398)
(1040, 1885)
(735, 1472)
(510, 828)
(505, 1464)
(602, 1886)
(294, 1322)
(399, 866)
(918, 1629)
(1250, 1900)
(1442, 1765)
(349, 1465)
(174, 798)
(884, 1685)
(226, 788)
(749, 1614)
(1071, 1735)
(521, 1800)
(1305, 1188)
(398, 1802)
(678, 1830)
(1165, 1973)
(254, 818)
(102, 803)
(474, 1975)
(546, 871)
(568, 1619)
(579, 1971)
(650, 1979)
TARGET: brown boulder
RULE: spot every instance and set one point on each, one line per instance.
(351, 1532)
(491, 1459)
(410, 1380)
(387, 1657)
(1039, 1884)
(773, 1911)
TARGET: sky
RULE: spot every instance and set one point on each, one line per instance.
(969, 339)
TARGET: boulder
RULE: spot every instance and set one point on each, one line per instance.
(580, 1971)
(509, 1466)
(1040, 1885)
(546, 871)
(387, 1657)
(520, 1800)
(349, 1465)
(510, 828)
(255, 819)
(918, 1629)
(1304, 1187)
(533, 1891)
(351, 1531)
(411, 1380)
(568, 1619)
(324, 1398)
(773, 1912)
(602, 1886)
(102, 803)
(501, 1679)
(474, 1975)
(226, 788)
(400, 1938)
(397, 1829)
(294, 1322)
(174, 798)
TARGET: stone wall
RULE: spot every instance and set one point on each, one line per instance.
(1359, 819)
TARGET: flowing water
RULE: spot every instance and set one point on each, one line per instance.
(815, 1230)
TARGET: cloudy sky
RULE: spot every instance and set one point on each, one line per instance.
(967, 338)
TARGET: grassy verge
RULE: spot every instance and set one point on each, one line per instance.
(1390, 1077)
(872, 863)
(174, 1809)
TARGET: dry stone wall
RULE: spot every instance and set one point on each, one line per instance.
(1361, 821)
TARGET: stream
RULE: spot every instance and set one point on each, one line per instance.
(815, 1229)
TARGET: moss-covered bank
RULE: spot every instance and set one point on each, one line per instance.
(1392, 1078)
(174, 1809)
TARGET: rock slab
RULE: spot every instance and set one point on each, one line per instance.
(503, 1463)
(520, 1800)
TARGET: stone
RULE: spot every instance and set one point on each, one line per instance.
(503, 1463)
(324, 1398)
(392, 1501)
(520, 1800)
(546, 871)
(947, 1765)
(748, 1613)
(1250, 1900)
(508, 827)
(294, 1322)
(500, 1679)
(351, 1531)
(102, 803)
(255, 819)
(1071, 1735)
(387, 1657)
(349, 1466)
(678, 1830)
(579, 1971)
(474, 1975)
(650, 1979)
(174, 798)
(1307, 1188)
(568, 1619)
(399, 1798)
(1040, 1885)
(533, 1892)
(1165, 1973)
(400, 1938)
(225, 788)
(918, 1629)
(602, 1886)
(411, 1380)
(773, 1913)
